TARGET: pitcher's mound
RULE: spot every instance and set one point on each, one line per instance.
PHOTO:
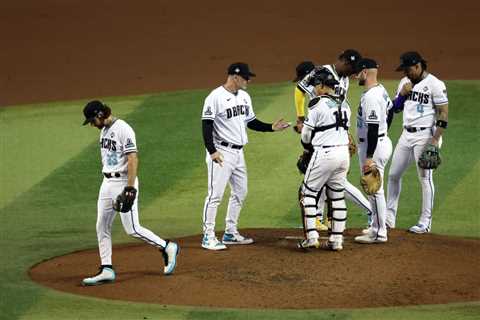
(272, 273)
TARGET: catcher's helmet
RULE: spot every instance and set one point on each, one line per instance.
(323, 76)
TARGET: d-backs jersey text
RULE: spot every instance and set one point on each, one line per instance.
(374, 106)
(419, 108)
(326, 112)
(230, 114)
(116, 141)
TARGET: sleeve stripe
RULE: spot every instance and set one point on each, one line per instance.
(248, 120)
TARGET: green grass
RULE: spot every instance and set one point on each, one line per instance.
(50, 175)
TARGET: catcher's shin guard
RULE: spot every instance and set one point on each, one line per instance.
(309, 207)
(338, 210)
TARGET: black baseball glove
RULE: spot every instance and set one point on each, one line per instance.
(125, 200)
(303, 161)
(430, 157)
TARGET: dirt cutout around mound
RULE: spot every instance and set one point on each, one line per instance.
(272, 273)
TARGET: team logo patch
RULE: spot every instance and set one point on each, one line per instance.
(129, 144)
(373, 115)
(208, 112)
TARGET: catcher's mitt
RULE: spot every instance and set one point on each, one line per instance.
(303, 161)
(371, 180)
(430, 157)
(352, 147)
(125, 200)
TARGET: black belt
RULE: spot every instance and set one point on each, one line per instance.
(112, 175)
(230, 145)
(413, 129)
(363, 140)
(335, 145)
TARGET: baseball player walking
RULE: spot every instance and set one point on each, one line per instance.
(374, 147)
(118, 150)
(325, 134)
(226, 115)
(342, 69)
(423, 99)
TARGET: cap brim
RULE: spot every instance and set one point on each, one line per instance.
(400, 67)
(87, 121)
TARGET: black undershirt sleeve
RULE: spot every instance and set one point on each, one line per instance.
(258, 125)
(390, 117)
(372, 139)
(207, 129)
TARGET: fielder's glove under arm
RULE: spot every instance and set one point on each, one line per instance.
(430, 157)
(125, 200)
(371, 180)
(303, 161)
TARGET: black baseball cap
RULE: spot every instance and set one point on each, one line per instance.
(366, 63)
(93, 109)
(241, 69)
(303, 69)
(409, 59)
(351, 56)
(323, 76)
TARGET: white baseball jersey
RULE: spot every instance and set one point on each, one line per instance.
(374, 106)
(419, 108)
(116, 141)
(340, 90)
(230, 114)
(327, 111)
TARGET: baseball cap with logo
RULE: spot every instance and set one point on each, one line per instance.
(303, 69)
(241, 69)
(92, 110)
(351, 56)
(409, 59)
(366, 63)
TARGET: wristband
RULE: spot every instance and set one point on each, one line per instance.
(441, 124)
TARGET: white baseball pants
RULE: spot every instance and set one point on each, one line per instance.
(328, 167)
(379, 207)
(109, 191)
(409, 148)
(232, 172)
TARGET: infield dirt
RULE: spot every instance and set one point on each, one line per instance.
(272, 273)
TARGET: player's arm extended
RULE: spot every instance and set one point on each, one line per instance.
(132, 168)
(441, 123)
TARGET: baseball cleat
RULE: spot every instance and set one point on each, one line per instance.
(419, 228)
(367, 230)
(320, 226)
(170, 254)
(236, 238)
(369, 238)
(105, 275)
(332, 245)
(309, 244)
(212, 244)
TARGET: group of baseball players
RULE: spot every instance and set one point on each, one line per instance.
(226, 115)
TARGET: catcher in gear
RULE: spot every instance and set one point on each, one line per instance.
(374, 147)
(118, 192)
